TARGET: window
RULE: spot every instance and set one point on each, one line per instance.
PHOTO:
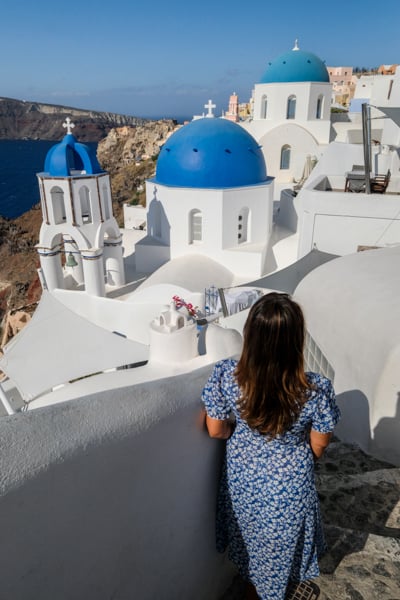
(106, 203)
(196, 226)
(285, 157)
(291, 107)
(319, 107)
(57, 201)
(243, 226)
(84, 197)
(264, 107)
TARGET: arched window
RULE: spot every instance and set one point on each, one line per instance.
(195, 226)
(84, 197)
(264, 107)
(318, 113)
(291, 107)
(58, 204)
(106, 202)
(243, 226)
(285, 157)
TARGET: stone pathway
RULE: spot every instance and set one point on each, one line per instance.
(360, 503)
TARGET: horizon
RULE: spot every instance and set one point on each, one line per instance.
(168, 60)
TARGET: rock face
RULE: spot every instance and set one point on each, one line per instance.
(129, 155)
(36, 121)
(128, 145)
(123, 154)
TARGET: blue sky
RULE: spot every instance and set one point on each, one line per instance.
(166, 58)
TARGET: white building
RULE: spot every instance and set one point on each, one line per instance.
(78, 222)
(291, 116)
(211, 196)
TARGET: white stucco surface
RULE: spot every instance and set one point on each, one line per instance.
(352, 312)
(112, 496)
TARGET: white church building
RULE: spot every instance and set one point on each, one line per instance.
(80, 243)
(291, 113)
(211, 196)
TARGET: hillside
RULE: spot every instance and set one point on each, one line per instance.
(36, 121)
(129, 155)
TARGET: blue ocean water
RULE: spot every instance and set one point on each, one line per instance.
(20, 160)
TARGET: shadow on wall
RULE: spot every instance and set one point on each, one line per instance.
(354, 426)
(387, 431)
(157, 223)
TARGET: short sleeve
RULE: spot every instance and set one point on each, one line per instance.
(214, 394)
(326, 413)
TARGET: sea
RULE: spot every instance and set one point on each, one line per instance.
(20, 160)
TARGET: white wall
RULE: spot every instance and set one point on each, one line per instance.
(220, 209)
(301, 143)
(338, 222)
(134, 216)
(352, 311)
(127, 318)
(306, 94)
(112, 496)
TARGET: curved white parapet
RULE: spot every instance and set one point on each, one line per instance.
(122, 485)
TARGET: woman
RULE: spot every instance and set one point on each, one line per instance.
(277, 420)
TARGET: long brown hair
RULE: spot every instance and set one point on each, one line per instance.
(270, 372)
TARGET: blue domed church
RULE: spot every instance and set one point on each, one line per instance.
(211, 195)
(80, 243)
(291, 113)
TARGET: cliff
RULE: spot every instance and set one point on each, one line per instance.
(124, 153)
(36, 121)
(129, 154)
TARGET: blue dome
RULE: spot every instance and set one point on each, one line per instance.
(68, 156)
(211, 153)
(295, 66)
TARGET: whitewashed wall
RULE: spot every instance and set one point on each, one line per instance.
(220, 209)
(112, 496)
(352, 312)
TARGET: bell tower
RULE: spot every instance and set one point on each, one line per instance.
(80, 244)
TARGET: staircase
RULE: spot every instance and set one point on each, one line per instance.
(360, 504)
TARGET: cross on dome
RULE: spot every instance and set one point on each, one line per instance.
(296, 45)
(209, 107)
(68, 125)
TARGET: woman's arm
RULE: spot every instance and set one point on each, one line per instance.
(318, 442)
(217, 428)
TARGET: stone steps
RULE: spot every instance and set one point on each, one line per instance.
(359, 566)
(360, 504)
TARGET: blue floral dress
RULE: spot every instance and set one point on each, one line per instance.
(268, 510)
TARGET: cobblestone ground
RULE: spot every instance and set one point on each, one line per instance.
(360, 502)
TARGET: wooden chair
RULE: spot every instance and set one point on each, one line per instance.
(379, 183)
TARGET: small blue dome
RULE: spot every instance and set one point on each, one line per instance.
(68, 156)
(295, 66)
(211, 153)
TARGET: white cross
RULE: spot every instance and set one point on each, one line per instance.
(68, 125)
(210, 106)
